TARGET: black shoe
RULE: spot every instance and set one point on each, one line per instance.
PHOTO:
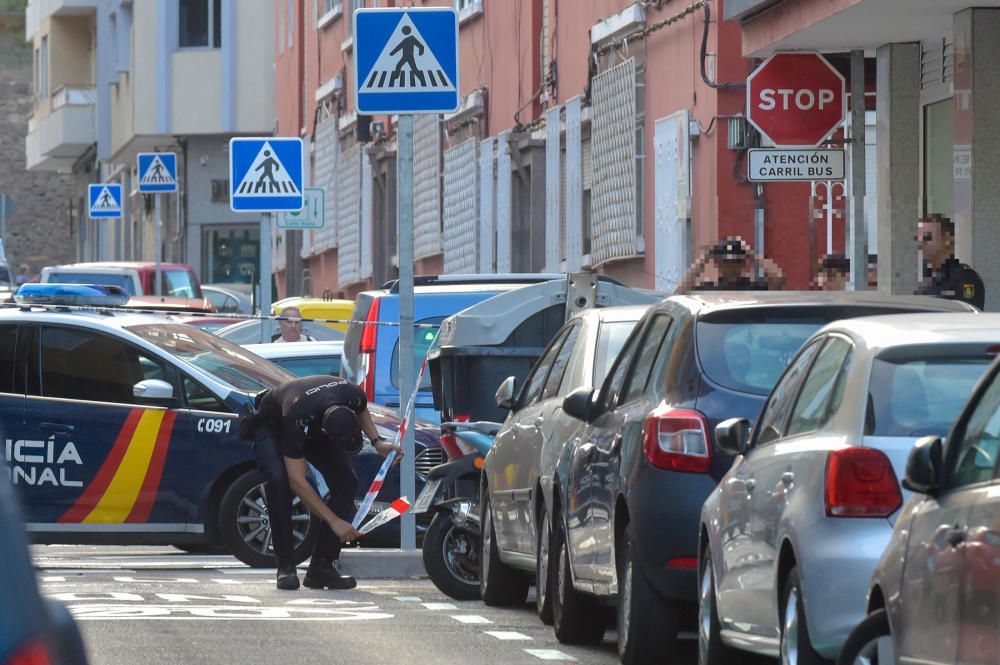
(288, 578)
(325, 574)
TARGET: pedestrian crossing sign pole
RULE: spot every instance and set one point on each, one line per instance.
(406, 62)
(265, 176)
(157, 175)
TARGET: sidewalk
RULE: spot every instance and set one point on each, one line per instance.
(378, 563)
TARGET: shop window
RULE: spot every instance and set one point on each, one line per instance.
(199, 21)
(231, 255)
(942, 159)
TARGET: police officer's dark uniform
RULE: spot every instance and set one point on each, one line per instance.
(289, 423)
(957, 281)
(731, 250)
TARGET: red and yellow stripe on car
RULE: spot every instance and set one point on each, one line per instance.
(124, 489)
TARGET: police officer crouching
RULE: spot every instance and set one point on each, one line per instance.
(319, 419)
(946, 276)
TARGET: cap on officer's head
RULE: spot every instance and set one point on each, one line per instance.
(730, 249)
(342, 426)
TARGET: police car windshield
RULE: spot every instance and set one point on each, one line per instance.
(230, 363)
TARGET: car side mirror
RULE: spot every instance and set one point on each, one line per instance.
(505, 393)
(154, 391)
(732, 436)
(578, 404)
(923, 468)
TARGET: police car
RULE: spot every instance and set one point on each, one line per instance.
(122, 428)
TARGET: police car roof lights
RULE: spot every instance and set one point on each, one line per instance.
(69, 295)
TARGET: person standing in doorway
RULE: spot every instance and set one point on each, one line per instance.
(945, 275)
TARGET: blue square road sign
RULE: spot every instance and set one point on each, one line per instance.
(406, 60)
(265, 174)
(104, 200)
(157, 172)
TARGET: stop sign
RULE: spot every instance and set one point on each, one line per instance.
(796, 99)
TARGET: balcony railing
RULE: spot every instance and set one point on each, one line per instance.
(66, 95)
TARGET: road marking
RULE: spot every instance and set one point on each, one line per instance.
(98, 612)
(155, 580)
(83, 571)
(549, 654)
(245, 571)
(470, 618)
(439, 606)
(408, 599)
(54, 579)
(231, 581)
(507, 635)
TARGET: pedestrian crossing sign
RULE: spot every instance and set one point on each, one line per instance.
(157, 172)
(406, 60)
(265, 174)
(105, 200)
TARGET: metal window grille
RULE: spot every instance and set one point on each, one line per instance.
(613, 139)
(426, 186)
(327, 151)
(349, 216)
(937, 63)
(461, 208)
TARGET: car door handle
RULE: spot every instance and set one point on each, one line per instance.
(750, 484)
(955, 536)
(787, 478)
(57, 428)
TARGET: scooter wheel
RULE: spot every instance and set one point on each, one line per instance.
(451, 558)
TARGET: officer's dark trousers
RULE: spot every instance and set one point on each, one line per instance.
(338, 472)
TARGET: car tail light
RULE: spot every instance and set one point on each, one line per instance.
(32, 653)
(860, 482)
(685, 562)
(369, 337)
(677, 440)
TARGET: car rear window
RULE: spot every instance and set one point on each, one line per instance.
(180, 284)
(124, 281)
(610, 341)
(920, 396)
(422, 340)
(310, 366)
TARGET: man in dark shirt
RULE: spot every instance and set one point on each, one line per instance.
(319, 419)
(947, 277)
(734, 265)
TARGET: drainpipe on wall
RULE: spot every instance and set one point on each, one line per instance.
(758, 221)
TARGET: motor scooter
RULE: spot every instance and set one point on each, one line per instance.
(451, 543)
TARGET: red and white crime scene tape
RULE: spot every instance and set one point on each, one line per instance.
(395, 509)
(373, 490)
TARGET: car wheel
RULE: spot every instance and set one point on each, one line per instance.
(245, 527)
(870, 643)
(796, 647)
(576, 617)
(499, 584)
(450, 557)
(544, 569)
(647, 624)
(711, 649)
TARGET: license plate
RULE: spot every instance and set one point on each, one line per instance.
(426, 496)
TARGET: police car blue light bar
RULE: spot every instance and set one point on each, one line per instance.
(70, 295)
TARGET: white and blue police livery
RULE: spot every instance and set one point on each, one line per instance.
(157, 172)
(104, 200)
(406, 60)
(265, 174)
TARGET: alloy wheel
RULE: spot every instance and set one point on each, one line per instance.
(487, 541)
(705, 609)
(457, 553)
(790, 630)
(626, 599)
(879, 651)
(253, 521)
(541, 584)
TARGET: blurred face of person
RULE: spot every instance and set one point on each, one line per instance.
(291, 331)
(936, 244)
(833, 280)
(731, 269)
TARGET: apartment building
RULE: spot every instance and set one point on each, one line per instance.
(605, 135)
(125, 77)
(937, 80)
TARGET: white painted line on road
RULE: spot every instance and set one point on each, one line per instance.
(408, 599)
(84, 571)
(245, 571)
(470, 618)
(440, 606)
(91, 612)
(54, 579)
(549, 654)
(507, 635)
(155, 580)
(233, 582)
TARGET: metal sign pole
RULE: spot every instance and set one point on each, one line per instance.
(158, 290)
(265, 265)
(859, 234)
(404, 184)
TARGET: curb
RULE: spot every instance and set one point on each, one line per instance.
(374, 563)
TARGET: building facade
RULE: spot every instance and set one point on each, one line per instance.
(937, 81)
(173, 75)
(605, 135)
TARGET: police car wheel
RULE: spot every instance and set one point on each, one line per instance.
(245, 528)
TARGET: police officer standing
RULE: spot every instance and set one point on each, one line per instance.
(319, 419)
(946, 276)
(731, 265)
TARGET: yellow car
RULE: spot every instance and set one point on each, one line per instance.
(317, 308)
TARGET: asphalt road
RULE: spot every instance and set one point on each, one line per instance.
(159, 606)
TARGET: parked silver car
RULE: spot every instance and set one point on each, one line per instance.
(935, 594)
(521, 464)
(793, 532)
